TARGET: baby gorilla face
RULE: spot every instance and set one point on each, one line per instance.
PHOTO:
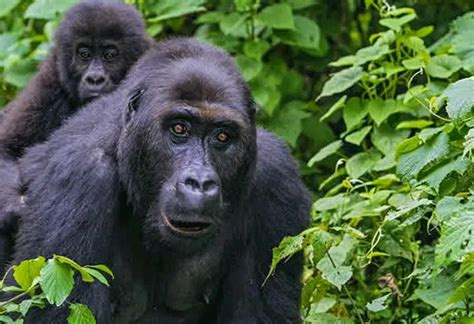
(98, 66)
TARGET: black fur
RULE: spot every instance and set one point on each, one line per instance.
(101, 189)
(53, 94)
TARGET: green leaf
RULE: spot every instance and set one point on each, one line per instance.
(370, 54)
(469, 142)
(97, 275)
(435, 178)
(418, 123)
(463, 291)
(457, 237)
(361, 163)
(232, 23)
(167, 9)
(379, 110)
(27, 271)
(335, 107)
(378, 304)
(249, 67)
(436, 295)
(329, 203)
(443, 66)
(80, 314)
(354, 112)
(6, 6)
(25, 306)
(460, 99)
(56, 281)
(19, 71)
(342, 81)
(357, 137)
(277, 16)
(48, 9)
(287, 247)
(326, 151)
(397, 23)
(403, 210)
(414, 63)
(387, 139)
(287, 122)
(410, 164)
(306, 35)
(102, 268)
(322, 305)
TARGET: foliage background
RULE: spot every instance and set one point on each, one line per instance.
(386, 148)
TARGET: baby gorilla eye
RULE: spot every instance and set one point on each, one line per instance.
(179, 129)
(84, 53)
(109, 56)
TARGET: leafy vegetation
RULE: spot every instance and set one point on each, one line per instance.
(375, 99)
(41, 282)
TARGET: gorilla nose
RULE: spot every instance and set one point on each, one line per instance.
(198, 187)
(95, 79)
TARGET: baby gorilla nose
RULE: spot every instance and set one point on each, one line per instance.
(95, 79)
(198, 188)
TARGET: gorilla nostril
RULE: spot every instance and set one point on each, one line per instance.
(192, 183)
(209, 186)
(95, 79)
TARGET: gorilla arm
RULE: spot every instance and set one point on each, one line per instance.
(72, 200)
(280, 206)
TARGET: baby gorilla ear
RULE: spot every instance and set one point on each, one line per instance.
(133, 104)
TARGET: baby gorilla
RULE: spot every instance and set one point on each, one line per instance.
(169, 182)
(94, 46)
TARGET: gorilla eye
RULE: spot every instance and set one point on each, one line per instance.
(84, 53)
(180, 130)
(109, 56)
(222, 137)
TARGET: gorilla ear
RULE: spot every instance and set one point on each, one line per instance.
(133, 104)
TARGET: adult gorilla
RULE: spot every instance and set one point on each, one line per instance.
(208, 197)
(94, 46)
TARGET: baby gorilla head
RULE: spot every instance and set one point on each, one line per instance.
(191, 125)
(96, 43)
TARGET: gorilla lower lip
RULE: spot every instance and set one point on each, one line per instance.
(186, 227)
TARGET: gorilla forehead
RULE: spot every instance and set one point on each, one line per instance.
(100, 19)
(195, 76)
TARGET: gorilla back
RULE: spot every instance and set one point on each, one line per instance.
(169, 181)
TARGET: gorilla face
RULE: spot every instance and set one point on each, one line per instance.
(99, 67)
(194, 150)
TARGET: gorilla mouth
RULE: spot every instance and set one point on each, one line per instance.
(186, 226)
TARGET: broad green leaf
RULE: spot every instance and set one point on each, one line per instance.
(25, 306)
(256, 49)
(335, 107)
(379, 110)
(342, 81)
(443, 66)
(414, 63)
(344, 61)
(287, 247)
(306, 35)
(469, 142)
(80, 314)
(460, 99)
(301, 4)
(467, 267)
(19, 71)
(410, 164)
(408, 145)
(378, 304)
(457, 237)
(357, 137)
(249, 67)
(463, 291)
(86, 277)
(418, 123)
(361, 163)
(407, 208)
(354, 112)
(391, 68)
(437, 294)
(102, 268)
(48, 9)
(6, 6)
(435, 178)
(27, 271)
(397, 23)
(326, 151)
(370, 54)
(287, 122)
(322, 305)
(167, 9)
(329, 203)
(56, 281)
(387, 139)
(277, 16)
(233, 23)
